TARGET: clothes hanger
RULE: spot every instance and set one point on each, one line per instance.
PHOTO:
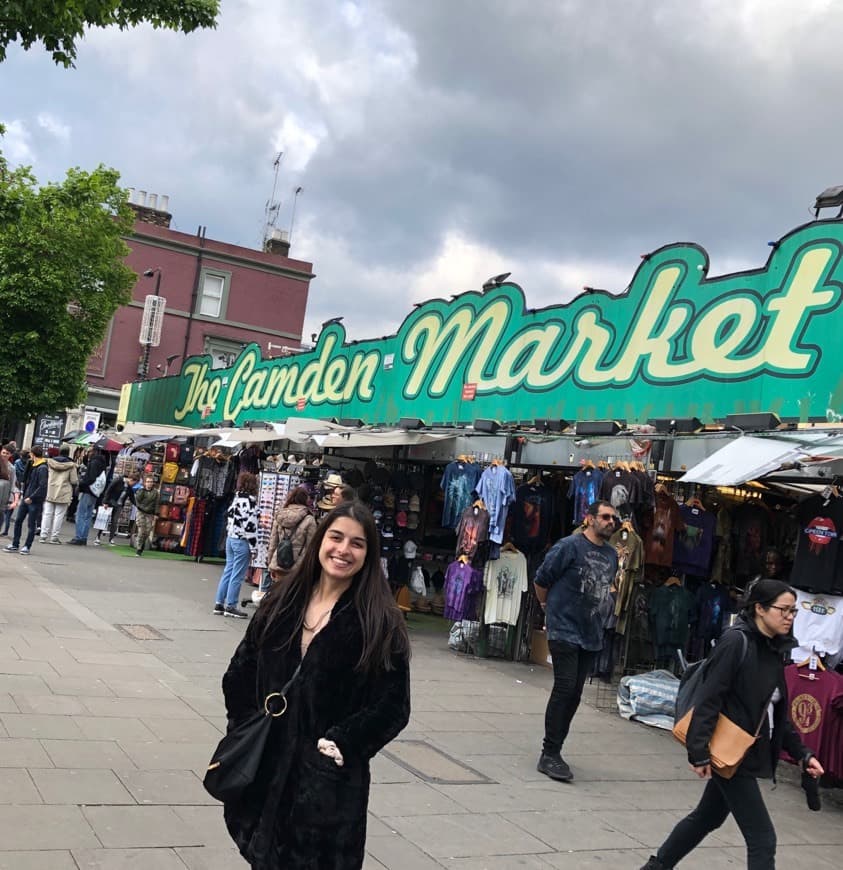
(480, 504)
(509, 547)
(463, 558)
(535, 480)
(587, 463)
(814, 655)
(673, 581)
(696, 503)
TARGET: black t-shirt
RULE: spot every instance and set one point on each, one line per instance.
(531, 517)
(817, 565)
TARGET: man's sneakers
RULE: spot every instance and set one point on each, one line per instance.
(42, 540)
(54, 541)
(78, 542)
(235, 613)
(218, 610)
(10, 549)
(24, 551)
(555, 767)
(97, 542)
(139, 552)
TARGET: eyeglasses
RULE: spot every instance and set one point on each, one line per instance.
(612, 517)
(785, 611)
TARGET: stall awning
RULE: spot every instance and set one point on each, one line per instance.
(385, 438)
(751, 457)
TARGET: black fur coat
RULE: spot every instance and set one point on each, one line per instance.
(304, 812)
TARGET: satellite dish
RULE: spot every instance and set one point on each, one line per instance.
(90, 426)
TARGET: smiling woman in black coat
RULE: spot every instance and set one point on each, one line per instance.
(334, 615)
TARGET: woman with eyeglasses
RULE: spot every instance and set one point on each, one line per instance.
(747, 687)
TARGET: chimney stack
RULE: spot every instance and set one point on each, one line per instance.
(150, 209)
(278, 242)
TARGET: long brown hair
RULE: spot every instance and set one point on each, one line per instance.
(298, 496)
(247, 483)
(381, 622)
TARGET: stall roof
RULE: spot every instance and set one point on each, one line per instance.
(383, 438)
(751, 457)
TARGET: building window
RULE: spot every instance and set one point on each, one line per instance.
(213, 293)
(223, 352)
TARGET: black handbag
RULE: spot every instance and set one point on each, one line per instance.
(237, 758)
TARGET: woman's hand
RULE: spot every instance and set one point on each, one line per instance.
(814, 768)
(703, 771)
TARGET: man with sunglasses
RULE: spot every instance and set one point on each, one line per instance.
(573, 587)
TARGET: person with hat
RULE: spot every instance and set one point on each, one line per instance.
(334, 492)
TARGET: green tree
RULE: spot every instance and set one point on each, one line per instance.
(62, 277)
(60, 23)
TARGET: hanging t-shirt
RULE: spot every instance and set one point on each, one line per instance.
(721, 569)
(630, 550)
(818, 625)
(817, 562)
(711, 607)
(531, 517)
(458, 483)
(667, 521)
(578, 576)
(584, 490)
(497, 489)
(816, 711)
(751, 528)
(505, 580)
(670, 618)
(693, 547)
(472, 531)
(621, 489)
(462, 583)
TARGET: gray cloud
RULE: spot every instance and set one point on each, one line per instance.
(440, 142)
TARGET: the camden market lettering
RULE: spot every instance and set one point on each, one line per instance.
(676, 343)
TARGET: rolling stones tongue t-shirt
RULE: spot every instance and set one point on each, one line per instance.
(820, 526)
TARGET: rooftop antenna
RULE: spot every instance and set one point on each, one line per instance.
(270, 215)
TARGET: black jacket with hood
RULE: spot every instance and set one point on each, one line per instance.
(742, 692)
(96, 465)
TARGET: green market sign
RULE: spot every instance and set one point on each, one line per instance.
(677, 343)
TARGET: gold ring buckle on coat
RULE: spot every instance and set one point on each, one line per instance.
(266, 704)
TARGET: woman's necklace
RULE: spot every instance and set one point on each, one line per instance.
(318, 622)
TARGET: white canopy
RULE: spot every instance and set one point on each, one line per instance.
(751, 456)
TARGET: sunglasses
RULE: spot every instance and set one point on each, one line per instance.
(612, 517)
(785, 611)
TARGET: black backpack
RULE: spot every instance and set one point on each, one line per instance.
(284, 555)
(693, 678)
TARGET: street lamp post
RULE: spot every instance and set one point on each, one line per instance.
(146, 340)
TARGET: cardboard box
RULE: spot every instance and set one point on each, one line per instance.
(539, 652)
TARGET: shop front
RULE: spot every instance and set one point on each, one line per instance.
(704, 408)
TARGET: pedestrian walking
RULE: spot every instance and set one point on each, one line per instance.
(334, 628)
(8, 486)
(573, 586)
(119, 491)
(91, 487)
(241, 540)
(744, 681)
(146, 501)
(295, 524)
(62, 477)
(33, 495)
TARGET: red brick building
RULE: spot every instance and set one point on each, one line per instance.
(218, 297)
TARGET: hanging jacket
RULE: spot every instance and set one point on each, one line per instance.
(296, 523)
(62, 478)
(742, 692)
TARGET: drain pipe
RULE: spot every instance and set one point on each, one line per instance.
(200, 236)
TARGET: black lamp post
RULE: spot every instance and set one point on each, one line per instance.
(144, 372)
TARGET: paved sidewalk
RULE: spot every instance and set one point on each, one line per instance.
(104, 738)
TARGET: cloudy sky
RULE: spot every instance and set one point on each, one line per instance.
(442, 142)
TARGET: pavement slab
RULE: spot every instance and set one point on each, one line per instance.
(104, 739)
